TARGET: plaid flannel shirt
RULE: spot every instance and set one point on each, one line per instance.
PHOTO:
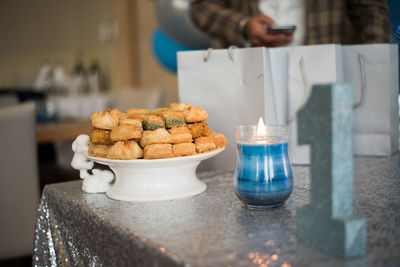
(327, 21)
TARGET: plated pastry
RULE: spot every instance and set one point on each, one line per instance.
(101, 137)
(125, 150)
(125, 132)
(158, 136)
(100, 151)
(175, 131)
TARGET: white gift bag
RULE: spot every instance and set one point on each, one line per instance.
(308, 65)
(373, 72)
(278, 60)
(231, 85)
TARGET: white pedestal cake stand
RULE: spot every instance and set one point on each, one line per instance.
(156, 179)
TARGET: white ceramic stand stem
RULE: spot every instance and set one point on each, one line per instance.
(167, 181)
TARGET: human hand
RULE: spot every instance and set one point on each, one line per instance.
(255, 32)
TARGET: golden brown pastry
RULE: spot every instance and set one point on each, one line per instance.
(159, 111)
(99, 151)
(204, 143)
(152, 122)
(101, 137)
(108, 119)
(126, 132)
(173, 118)
(179, 106)
(194, 114)
(199, 129)
(158, 151)
(140, 117)
(125, 150)
(183, 149)
(120, 115)
(132, 112)
(180, 135)
(135, 122)
(219, 139)
(159, 136)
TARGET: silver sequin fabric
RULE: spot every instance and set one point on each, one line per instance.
(212, 229)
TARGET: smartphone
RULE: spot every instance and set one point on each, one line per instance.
(281, 28)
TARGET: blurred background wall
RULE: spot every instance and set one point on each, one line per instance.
(58, 31)
(76, 30)
(150, 72)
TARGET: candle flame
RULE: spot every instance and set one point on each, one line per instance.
(261, 128)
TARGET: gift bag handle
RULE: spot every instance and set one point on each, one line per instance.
(362, 77)
(306, 86)
(230, 52)
(207, 53)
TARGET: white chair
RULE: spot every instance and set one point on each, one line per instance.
(138, 98)
(8, 99)
(19, 182)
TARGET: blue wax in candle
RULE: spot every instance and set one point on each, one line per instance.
(263, 176)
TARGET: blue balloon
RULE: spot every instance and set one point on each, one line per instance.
(175, 20)
(394, 8)
(165, 49)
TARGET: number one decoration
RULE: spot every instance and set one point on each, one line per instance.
(328, 223)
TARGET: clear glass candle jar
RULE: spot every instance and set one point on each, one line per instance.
(263, 175)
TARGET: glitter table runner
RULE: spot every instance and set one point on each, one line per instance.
(211, 229)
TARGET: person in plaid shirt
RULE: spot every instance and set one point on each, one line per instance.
(241, 23)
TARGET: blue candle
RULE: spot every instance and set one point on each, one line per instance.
(263, 175)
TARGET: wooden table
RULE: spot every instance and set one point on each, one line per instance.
(47, 132)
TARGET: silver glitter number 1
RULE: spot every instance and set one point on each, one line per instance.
(328, 223)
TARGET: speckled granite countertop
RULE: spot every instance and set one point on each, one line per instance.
(211, 229)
